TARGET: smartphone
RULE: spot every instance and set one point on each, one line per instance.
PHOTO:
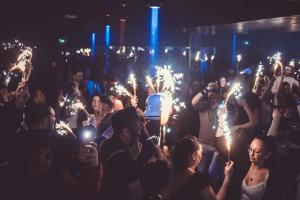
(87, 134)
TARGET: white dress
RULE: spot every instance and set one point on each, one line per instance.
(254, 192)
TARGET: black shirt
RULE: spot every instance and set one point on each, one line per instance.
(119, 169)
(193, 188)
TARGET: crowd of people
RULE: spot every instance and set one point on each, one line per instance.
(109, 150)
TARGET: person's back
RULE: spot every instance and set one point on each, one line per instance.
(192, 189)
(118, 154)
(119, 169)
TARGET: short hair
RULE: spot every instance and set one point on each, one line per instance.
(36, 113)
(124, 118)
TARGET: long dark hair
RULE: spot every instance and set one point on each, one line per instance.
(180, 154)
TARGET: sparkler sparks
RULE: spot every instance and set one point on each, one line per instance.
(23, 64)
(166, 85)
(121, 90)
(239, 57)
(63, 129)
(234, 90)
(132, 81)
(275, 60)
(223, 125)
(260, 71)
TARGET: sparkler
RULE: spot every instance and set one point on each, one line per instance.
(223, 125)
(234, 90)
(150, 83)
(76, 104)
(63, 129)
(260, 70)
(259, 73)
(121, 90)
(166, 85)
(132, 81)
(276, 60)
(23, 64)
(197, 56)
(239, 57)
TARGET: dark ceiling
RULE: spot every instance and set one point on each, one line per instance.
(46, 18)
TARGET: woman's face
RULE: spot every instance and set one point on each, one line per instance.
(96, 103)
(41, 161)
(198, 156)
(257, 153)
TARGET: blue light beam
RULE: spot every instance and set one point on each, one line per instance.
(233, 51)
(154, 28)
(107, 44)
(107, 36)
(93, 45)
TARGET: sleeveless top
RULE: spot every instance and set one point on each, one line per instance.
(254, 192)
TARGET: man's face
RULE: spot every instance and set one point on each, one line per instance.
(288, 71)
(78, 77)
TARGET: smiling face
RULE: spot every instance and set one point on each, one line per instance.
(257, 152)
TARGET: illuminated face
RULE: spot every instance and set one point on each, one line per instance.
(96, 103)
(41, 161)
(198, 156)
(288, 71)
(223, 82)
(257, 153)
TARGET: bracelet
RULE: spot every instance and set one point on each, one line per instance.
(204, 92)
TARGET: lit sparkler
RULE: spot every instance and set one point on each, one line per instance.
(76, 104)
(234, 90)
(223, 126)
(132, 81)
(121, 90)
(63, 129)
(150, 83)
(197, 56)
(275, 60)
(239, 57)
(23, 64)
(260, 70)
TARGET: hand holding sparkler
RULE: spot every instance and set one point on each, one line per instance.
(22, 95)
(24, 64)
(228, 170)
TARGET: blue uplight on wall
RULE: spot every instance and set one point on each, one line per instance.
(93, 45)
(154, 28)
(233, 50)
(107, 44)
(107, 36)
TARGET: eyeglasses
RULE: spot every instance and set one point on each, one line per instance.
(254, 151)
